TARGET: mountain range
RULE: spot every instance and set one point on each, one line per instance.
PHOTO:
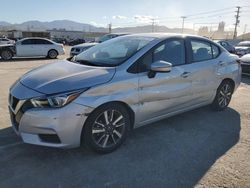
(35, 25)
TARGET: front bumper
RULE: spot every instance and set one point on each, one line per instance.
(59, 127)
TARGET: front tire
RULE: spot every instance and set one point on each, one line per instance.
(106, 128)
(6, 55)
(223, 96)
(52, 54)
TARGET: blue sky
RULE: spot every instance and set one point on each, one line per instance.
(124, 12)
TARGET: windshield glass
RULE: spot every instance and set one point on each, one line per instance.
(113, 52)
(106, 37)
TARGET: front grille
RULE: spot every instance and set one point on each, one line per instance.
(26, 106)
(14, 121)
(17, 108)
(13, 101)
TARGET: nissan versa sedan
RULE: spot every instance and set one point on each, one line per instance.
(119, 85)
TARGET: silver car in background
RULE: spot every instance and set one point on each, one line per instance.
(120, 85)
(77, 49)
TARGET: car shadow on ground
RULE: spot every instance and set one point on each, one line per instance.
(29, 59)
(175, 152)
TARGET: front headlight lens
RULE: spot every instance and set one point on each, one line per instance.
(55, 101)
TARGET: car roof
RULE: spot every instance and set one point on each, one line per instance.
(167, 35)
(245, 42)
(34, 38)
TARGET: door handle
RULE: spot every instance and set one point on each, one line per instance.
(185, 74)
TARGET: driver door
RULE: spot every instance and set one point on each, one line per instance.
(166, 92)
(25, 48)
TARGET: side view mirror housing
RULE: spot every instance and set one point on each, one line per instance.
(159, 66)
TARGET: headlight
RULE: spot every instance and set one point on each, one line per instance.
(55, 101)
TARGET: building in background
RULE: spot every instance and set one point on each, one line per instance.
(18, 34)
(74, 35)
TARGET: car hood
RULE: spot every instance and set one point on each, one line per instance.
(245, 58)
(66, 76)
(7, 45)
(241, 47)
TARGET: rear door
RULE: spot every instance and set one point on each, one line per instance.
(42, 47)
(204, 63)
(166, 92)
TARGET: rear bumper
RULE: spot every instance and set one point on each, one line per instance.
(61, 52)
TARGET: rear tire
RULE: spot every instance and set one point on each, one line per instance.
(223, 96)
(106, 128)
(6, 55)
(52, 54)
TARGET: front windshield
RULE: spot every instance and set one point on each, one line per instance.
(113, 52)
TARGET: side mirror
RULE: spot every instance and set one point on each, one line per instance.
(159, 66)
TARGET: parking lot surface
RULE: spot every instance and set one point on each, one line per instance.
(200, 148)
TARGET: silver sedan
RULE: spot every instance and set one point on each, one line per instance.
(119, 85)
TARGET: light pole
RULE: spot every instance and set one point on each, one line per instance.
(237, 21)
(183, 20)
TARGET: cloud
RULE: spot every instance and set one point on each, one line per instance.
(145, 18)
(119, 17)
(96, 24)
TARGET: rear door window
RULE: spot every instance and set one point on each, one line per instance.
(201, 51)
(41, 41)
(27, 42)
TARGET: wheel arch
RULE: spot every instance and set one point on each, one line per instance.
(54, 50)
(229, 80)
(129, 109)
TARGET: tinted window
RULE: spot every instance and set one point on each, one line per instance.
(27, 42)
(201, 51)
(171, 51)
(41, 41)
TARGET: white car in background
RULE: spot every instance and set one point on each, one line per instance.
(77, 49)
(243, 48)
(32, 47)
(6, 41)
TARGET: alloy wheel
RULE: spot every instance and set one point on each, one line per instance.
(225, 95)
(108, 128)
(52, 54)
(6, 55)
